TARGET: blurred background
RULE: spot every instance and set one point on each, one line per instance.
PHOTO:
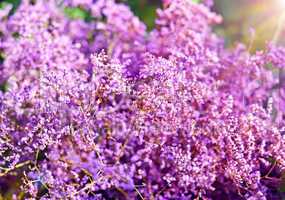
(253, 22)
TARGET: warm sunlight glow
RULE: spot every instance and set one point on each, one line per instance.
(282, 3)
(280, 26)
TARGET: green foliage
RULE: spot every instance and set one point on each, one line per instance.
(2, 6)
(15, 3)
(145, 10)
(77, 13)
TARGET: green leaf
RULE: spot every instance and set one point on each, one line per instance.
(77, 13)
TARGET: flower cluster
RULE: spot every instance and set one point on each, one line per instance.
(99, 108)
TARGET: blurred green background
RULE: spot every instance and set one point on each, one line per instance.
(254, 22)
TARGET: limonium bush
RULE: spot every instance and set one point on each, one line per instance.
(95, 106)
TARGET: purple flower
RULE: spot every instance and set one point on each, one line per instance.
(101, 109)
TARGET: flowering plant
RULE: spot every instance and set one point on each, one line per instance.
(97, 107)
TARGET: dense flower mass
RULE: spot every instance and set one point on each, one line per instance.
(97, 107)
